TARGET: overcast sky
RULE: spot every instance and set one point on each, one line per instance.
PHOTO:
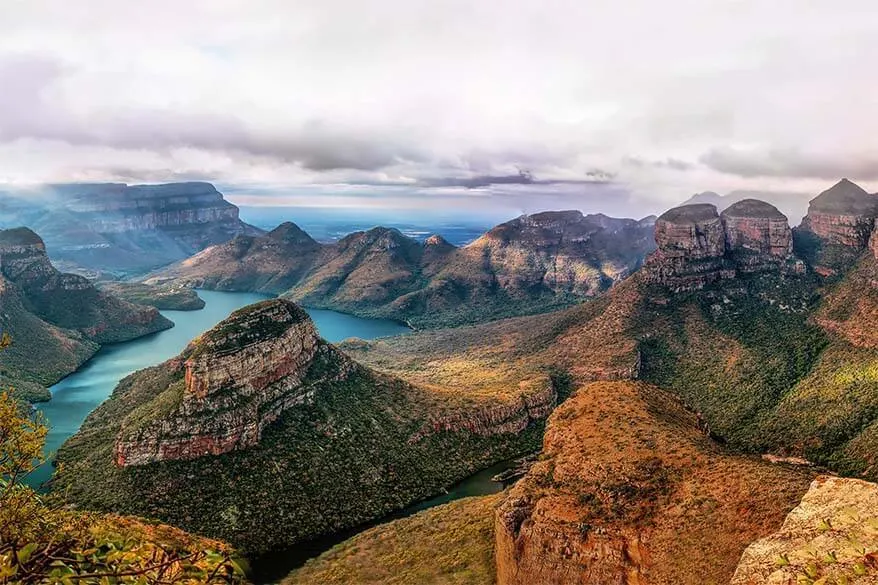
(617, 105)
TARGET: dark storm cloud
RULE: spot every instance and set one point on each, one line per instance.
(791, 163)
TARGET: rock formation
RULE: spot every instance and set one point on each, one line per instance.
(629, 492)
(238, 378)
(837, 227)
(117, 227)
(530, 264)
(830, 537)
(697, 246)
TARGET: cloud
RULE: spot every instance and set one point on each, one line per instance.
(793, 163)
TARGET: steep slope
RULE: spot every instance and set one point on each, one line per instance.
(451, 544)
(529, 265)
(56, 321)
(259, 418)
(121, 228)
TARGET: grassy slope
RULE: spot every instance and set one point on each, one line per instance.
(164, 298)
(452, 544)
(339, 462)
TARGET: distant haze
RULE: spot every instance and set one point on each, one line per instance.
(487, 108)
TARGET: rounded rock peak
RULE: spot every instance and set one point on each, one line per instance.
(20, 236)
(436, 240)
(753, 208)
(263, 321)
(689, 214)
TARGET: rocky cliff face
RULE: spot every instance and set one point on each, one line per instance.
(837, 227)
(629, 492)
(830, 537)
(237, 379)
(697, 246)
(117, 227)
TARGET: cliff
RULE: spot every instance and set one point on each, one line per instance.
(830, 537)
(528, 265)
(259, 418)
(628, 491)
(122, 228)
(837, 227)
(56, 320)
(698, 247)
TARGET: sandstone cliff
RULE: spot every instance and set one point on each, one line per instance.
(56, 320)
(837, 227)
(830, 537)
(629, 492)
(528, 265)
(698, 247)
(122, 228)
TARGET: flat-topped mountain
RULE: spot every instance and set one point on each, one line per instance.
(260, 419)
(530, 264)
(124, 228)
(56, 320)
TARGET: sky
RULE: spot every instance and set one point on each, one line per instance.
(622, 106)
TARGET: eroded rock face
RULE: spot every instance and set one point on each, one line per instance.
(697, 246)
(237, 379)
(757, 235)
(832, 534)
(691, 249)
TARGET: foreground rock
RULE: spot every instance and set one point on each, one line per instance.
(830, 537)
(125, 228)
(260, 419)
(56, 321)
(528, 265)
(629, 491)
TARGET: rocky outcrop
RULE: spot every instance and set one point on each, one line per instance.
(837, 227)
(628, 491)
(830, 537)
(121, 228)
(697, 246)
(758, 236)
(537, 400)
(237, 379)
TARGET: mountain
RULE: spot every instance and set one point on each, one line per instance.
(527, 265)
(56, 321)
(122, 228)
(261, 419)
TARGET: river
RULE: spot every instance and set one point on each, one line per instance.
(74, 397)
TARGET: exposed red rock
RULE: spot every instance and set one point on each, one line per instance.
(239, 378)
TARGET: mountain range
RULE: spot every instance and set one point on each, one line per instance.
(530, 264)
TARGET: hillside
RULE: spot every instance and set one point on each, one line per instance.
(123, 229)
(260, 418)
(529, 265)
(56, 321)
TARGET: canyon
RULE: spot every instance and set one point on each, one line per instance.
(122, 229)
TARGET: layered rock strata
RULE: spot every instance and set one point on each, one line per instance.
(237, 379)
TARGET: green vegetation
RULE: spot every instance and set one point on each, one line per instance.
(344, 459)
(162, 297)
(41, 542)
(448, 545)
